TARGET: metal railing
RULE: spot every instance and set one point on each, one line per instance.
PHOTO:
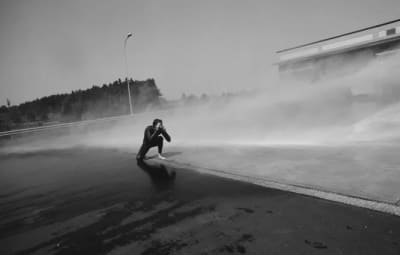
(78, 123)
(62, 125)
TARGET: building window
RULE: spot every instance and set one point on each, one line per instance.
(391, 31)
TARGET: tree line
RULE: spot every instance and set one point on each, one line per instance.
(96, 102)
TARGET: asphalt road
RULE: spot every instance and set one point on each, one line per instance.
(100, 201)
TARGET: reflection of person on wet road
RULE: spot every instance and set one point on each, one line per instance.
(154, 135)
(162, 177)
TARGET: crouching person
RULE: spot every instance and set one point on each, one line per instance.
(154, 136)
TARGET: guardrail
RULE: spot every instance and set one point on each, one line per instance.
(75, 123)
(62, 125)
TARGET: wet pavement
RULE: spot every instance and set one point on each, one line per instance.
(101, 201)
(367, 171)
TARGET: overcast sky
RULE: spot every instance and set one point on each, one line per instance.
(55, 46)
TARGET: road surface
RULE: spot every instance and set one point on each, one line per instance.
(100, 201)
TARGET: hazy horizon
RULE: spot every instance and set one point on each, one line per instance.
(50, 47)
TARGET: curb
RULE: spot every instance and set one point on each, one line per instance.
(304, 190)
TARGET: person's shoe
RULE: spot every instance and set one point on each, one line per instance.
(160, 156)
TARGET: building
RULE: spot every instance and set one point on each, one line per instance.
(339, 55)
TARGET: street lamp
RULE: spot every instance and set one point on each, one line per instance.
(126, 68)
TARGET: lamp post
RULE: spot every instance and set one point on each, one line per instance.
(126, 68)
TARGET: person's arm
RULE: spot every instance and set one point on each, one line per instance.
(165, 134)
(150, 136)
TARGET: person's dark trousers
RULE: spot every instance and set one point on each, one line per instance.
(159, 141)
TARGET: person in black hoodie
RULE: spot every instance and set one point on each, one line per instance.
(154, 135)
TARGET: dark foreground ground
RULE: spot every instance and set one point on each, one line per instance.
(97, 201)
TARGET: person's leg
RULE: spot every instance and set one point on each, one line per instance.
(143, 150)
(140, 152)
(160, 143)
(146, 147)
